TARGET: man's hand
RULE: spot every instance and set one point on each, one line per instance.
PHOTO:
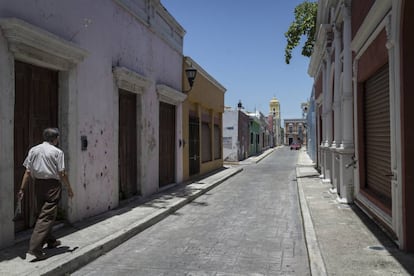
(20, 195)
(70, 192)
(64, 178)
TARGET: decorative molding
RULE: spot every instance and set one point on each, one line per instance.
(129, 80)
(390, 40)
(31, 44)
(372, 25)
(170, 95)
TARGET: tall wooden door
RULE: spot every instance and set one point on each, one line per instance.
(127, 146)
(194, 146)
(167, 144)
(36, 108)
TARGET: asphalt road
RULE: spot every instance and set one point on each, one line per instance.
(248, 225)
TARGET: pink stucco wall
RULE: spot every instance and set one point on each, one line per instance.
(113, 38)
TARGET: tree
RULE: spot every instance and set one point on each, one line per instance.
(303, 25)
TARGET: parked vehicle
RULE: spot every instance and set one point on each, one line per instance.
(295, 146)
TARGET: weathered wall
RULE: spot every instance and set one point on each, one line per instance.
(112, 37)
(230, 135)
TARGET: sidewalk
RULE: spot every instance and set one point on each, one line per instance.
(252, 159)
(87, 240)
(341, 239)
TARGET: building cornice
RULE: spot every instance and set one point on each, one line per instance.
(319, 50)
(153, 15)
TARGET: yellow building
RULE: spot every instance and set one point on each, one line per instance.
(202, 123)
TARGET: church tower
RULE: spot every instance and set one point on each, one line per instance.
(274, 108)
(275, 114)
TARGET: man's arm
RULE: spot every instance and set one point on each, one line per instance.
(25, 180)
(64, 178)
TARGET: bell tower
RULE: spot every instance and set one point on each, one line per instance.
(274, 106)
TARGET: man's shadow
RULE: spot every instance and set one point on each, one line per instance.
(54, 252)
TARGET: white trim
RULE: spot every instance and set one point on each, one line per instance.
(369, 27)
(393, 40)
(368, 204)
(129, 80)
(39, 47)
(170, 95)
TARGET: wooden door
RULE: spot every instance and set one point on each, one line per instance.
(36, 108)
(194, 146)
(167, 144)
(127, 145)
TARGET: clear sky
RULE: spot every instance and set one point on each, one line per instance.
(241, 43)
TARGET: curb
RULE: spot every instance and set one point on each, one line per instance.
(316, 263)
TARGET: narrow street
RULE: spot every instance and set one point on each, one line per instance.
(248, 225)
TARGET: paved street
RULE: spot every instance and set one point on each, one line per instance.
(248, 225)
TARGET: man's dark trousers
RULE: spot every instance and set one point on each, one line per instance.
(48, 193)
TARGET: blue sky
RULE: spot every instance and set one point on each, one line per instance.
(241, 44)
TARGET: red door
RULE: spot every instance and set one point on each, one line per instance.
(36, 108)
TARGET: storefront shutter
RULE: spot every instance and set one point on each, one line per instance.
(377, 135)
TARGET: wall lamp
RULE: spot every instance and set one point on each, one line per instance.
(191, 74)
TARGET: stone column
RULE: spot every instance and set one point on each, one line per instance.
(347, 119)
(323, 138)
(346, 149)
(337, 89)
(337, 111)
(328, 118)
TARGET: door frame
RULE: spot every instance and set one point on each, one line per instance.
(174, 97)
(373, 27)
(132, 82)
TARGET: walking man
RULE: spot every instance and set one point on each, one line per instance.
(45, 165)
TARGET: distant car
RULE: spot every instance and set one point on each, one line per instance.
(294, 146)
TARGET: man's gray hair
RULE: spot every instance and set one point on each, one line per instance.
(50, 134)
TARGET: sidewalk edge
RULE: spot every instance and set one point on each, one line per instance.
(316, 263)
(95, 250)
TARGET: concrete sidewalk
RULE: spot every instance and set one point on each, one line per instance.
(87, 240)
(341, 239)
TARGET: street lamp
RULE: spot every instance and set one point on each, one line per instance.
(191, 74)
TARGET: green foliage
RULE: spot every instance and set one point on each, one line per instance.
(303, 25)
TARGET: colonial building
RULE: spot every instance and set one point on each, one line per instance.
(362, 65)
(109, 75)
(235, 134)
(202, 142)
(295, 131)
